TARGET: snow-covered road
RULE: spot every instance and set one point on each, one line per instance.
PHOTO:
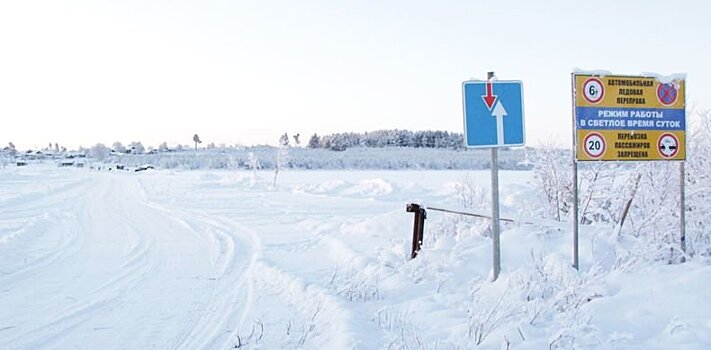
(122, 260)
(98, 263)
(222, 259)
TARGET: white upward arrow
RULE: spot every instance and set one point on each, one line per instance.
(499, 112)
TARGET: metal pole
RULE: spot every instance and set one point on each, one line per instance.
(682, 212)
(495, 228)
(495, 211)
(575, 180)
(575, 215)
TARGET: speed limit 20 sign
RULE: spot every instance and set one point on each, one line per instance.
(594, 145)
(626, 118)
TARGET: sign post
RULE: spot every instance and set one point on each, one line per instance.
(493, 118)
(627, 118)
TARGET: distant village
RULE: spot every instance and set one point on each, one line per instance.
(380, 149)
(70, 158)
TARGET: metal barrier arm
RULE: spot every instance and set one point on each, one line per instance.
(467, 214)
(419, 225)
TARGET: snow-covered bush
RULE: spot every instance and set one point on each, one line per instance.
(491, 306)
(471, 198)
(698, 180)
(356, 284)
(392, 158)
(552, 169)
(635, 199)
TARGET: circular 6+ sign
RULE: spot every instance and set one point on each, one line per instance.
(593, 90)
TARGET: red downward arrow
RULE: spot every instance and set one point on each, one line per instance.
(489, 98)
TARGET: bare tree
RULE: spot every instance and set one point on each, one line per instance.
(196, 139)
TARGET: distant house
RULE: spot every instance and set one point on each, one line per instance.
(21, 163)
(144, 168)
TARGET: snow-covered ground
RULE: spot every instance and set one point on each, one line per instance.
(222, 259)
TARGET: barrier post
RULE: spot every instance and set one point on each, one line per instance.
(418, 227)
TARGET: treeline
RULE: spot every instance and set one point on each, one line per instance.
(388, 138)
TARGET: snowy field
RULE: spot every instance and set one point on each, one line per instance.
(218, 259)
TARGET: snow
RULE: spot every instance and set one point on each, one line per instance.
(663, 78)
(596, 72)
(210, 259)
(668, 78)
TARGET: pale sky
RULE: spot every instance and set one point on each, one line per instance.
(81, 72)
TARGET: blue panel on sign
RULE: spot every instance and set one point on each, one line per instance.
(604, 118)
(493, 114)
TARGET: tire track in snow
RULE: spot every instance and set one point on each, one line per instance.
(43, 200)
(45, 236)
(335, 323)
(102, 298)
(103, 287)
(231, 262)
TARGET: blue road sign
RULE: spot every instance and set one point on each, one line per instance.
(493, 114)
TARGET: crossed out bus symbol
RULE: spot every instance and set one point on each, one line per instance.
(667, 94)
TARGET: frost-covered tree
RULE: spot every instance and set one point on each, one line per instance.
(284, 140)
(163, 147)
(99, 152)
(698, 192)
(389, 138)
(11, 148)
(253, 164)
(137, 147)
(119, 147)
(281, 154)
(314, 141)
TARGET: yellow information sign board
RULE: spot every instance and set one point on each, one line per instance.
(626, 118)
